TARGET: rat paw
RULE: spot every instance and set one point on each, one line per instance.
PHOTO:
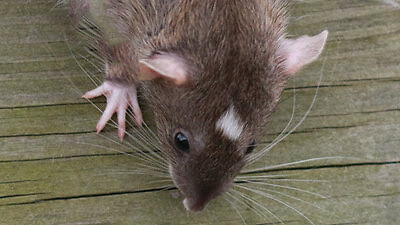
(119, 98)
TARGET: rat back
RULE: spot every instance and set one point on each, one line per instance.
(212, 72)
(140, 20)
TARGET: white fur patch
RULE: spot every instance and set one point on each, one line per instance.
(230, 124)
(186, 204)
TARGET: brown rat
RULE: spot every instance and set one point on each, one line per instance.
(212, 71)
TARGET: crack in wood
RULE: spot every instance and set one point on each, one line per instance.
(383, 195)
(48, 134)
(63, 157)
(280, 222)
(373, 79)
(312, 129)
(320, 86)
(21, 195)
(65, 198)
(79, 156)
(17, 181)
(51, 105)
(361, 112)
(325, 167)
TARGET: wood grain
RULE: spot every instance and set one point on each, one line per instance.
(54, 169)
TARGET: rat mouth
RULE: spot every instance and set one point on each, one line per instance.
(195, 199)
(194, 206)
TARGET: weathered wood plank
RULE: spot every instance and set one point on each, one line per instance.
(126, 207)
(54, 169)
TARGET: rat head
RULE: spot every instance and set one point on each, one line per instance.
(210, 111)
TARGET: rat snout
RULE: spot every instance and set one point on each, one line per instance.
(197, 202)
(194, 205)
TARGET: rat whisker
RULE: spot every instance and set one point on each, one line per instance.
(94, 80)
(260, 178)
(148, 148)
(155, 165)
(289, 196)
(88, 74)
(130, 145)
(280, 201)
(152, 137)
(131, 136)
(301, 120)
(235, 208)
(296, 163)
(136, 139)
(140, 143)
(144, 137)
(88, 30)
(138, 156)
(139, 172)
(106, 148)
(145, 133)
(286, 187)
(259, 154)
(164, 155)
(97, 57)
(151, 132)
(161, 181)
(150, 172)
(85, 71)
(277, 176)
(139, 138)
(142, 169)
(91, 63)
(80, 66)
(146, 157)
(58, 3)
(114, 124)
(150, 169)
(145, 171)
(258, 204)
(148, 131)
(92, 50)
(167, 188)
(245, 202)
(91, 78)
(141, 23)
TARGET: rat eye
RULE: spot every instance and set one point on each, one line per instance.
(182, 142)
(251, 147)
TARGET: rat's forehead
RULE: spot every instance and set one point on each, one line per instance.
(230, 124)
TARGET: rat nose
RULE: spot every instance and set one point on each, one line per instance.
(194, 205)
(199, 197)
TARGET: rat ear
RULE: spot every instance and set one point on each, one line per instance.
(163, 65)
(299, 52)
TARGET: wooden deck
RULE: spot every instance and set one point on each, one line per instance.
(54, 169)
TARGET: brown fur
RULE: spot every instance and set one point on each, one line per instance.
(230, 48)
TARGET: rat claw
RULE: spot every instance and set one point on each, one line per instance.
(119, 98)
(95, 92)
(107, 114)
(138, 116)
(121, 132)
(133, 102)
(121, 120)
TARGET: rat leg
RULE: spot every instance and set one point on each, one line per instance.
(119, 98)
